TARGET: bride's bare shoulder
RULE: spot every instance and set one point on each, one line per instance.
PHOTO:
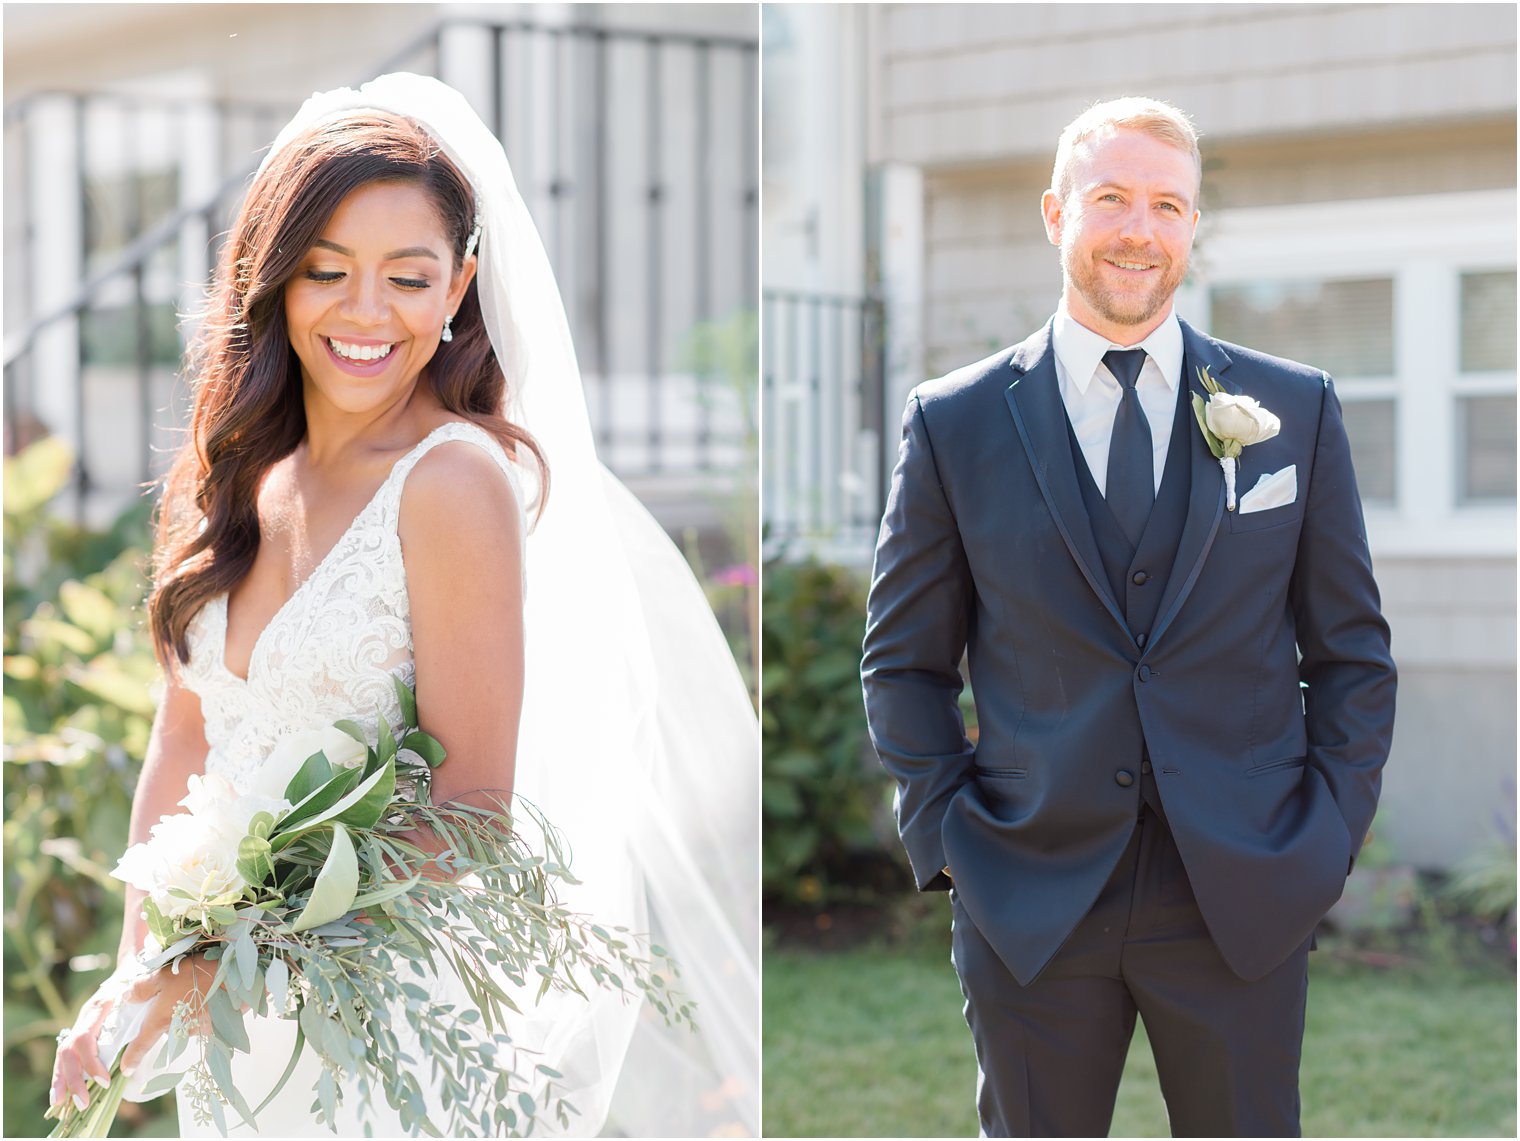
(459, 482)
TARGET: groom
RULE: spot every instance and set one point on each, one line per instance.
(1183, 682)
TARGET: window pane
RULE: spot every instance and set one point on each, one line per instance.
(1343, 327)
(1486, 452)
(1488, 324)
(1369, 423)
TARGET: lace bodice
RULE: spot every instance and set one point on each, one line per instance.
(330, 652)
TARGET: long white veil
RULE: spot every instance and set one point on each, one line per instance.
(638, 738)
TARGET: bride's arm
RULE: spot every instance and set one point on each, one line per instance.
(176, 749)
(461, 539)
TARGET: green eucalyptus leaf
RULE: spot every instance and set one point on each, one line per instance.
(261, 825)
(353, 729)
(408, 701)
(315, 808)
(277, 984)
(336, 885)
(425, 747)
(315, 772)
(255, 862)
(385, 747)
(226, 1021)
(369, 801)
(385, 894)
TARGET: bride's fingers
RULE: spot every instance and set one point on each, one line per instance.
(87, 1051)
(70, 1083)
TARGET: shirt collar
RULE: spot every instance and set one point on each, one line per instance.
(1080, 350)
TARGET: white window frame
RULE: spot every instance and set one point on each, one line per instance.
(1424, 243)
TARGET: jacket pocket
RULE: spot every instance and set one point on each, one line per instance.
(1273, 766)
(1010, 774)
(1265, 520)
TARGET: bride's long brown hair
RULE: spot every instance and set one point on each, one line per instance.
(248, 411)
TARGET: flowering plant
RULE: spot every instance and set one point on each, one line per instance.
(310, 895)
(1229, 424)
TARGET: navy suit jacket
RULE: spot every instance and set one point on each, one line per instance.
(1263, 695)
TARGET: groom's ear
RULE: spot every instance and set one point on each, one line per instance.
(1050, 207)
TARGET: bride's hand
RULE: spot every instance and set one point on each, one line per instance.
(79, 1060)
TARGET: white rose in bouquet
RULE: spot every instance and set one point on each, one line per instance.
(189, 866)
(216, 800)
(195, 853)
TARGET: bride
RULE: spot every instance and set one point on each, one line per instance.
(384, 386)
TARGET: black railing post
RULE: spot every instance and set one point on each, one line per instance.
(654, 246)
(874, 394)
(702, 176)
(81, 453)
(749, 233)
(603, 109)
(144, 361)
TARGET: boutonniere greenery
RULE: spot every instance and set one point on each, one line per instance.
(1230, 423)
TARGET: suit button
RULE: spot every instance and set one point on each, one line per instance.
(1145, 767)
(1124, 778)
(1140, 640)
(1141, 578)
(1145, 673)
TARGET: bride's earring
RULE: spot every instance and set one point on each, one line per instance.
(448, 333)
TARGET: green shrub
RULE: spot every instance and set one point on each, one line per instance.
(79, 677)
(826, 801)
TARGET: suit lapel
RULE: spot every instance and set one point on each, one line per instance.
(1206, 496)
(1039, 416)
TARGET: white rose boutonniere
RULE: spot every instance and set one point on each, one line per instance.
(1229, 424)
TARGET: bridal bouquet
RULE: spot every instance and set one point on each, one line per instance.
(310, 894)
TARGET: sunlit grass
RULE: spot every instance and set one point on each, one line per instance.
(871, 1042)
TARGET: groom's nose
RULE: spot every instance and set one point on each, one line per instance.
(1136, 225)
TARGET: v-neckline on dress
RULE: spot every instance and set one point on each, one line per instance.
(226, 597)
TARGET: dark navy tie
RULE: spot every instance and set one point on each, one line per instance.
(1131, 489)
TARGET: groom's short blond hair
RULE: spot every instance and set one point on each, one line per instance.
(1154, 117)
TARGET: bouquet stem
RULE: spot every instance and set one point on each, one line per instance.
(96, 1118)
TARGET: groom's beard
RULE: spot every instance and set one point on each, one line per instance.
(1132, 306)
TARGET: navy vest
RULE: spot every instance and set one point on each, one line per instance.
(1138, 574)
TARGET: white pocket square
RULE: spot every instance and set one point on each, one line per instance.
(1275, 490)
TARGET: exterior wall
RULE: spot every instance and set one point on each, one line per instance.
(1451, 773)
(972, 83)
(233, 50)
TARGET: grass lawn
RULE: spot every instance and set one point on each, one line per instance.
(871, 1042)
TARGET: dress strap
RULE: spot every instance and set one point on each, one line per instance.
(455, 430)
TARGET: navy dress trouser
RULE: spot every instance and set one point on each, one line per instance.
(1051, 1054)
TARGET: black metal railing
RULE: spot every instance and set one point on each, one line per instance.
(635, 150)
(824, 463)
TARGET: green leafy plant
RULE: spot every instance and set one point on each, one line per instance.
(825, 799)
(724, 356)
(78, 701)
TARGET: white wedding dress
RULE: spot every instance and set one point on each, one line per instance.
(329, 653)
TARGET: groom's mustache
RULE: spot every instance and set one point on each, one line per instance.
(1152, 258)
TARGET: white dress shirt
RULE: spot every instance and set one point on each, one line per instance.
(1091, 394)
